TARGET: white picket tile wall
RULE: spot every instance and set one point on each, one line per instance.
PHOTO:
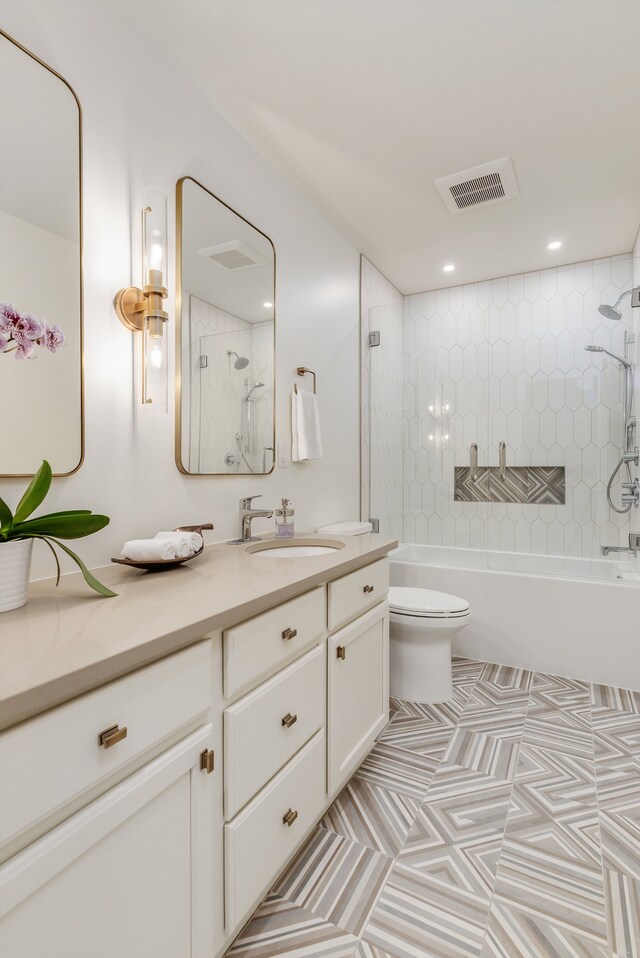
(505, 360)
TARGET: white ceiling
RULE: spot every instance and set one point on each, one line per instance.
(365, 102)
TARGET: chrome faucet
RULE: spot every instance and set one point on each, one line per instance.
(246, 515)
(632, 549)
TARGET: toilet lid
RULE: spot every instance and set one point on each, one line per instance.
(425, 602)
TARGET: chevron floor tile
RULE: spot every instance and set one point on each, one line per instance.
(502, 824)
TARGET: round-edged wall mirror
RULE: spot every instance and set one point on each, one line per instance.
(41, 379)
(225, 338)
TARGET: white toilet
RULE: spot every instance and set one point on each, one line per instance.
(422, 626)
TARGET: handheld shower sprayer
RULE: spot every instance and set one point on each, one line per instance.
(629, 454)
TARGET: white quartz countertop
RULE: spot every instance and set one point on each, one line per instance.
(68, 640)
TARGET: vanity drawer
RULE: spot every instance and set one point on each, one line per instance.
(256, 646)
(52, 759)
(259, 841)
(357, 592)
(265, 728)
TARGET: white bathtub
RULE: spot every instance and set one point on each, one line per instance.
(575, 617)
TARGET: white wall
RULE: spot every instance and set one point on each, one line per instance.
(144, 125)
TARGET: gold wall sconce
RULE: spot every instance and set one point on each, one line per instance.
(140, 309)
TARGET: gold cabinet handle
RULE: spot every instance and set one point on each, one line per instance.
(289, 633)
(111, 736)
(341, 652)
(289, 817)
(289, 720)
(207, 761)
(368, 588)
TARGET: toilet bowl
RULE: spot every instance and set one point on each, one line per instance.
(422, 624)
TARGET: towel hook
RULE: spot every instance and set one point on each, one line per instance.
(301, 370)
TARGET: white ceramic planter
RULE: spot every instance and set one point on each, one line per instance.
(15, 563)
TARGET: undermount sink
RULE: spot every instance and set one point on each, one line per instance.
(295, 549)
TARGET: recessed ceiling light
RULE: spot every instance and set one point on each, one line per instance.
(267, 305)
(554, 244)
(449, 268)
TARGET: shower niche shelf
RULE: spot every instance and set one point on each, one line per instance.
(535, 485)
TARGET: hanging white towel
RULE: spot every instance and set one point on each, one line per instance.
(186, 542)
(149, 550)
(305, 426)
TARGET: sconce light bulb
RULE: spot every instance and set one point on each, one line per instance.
(156, 353)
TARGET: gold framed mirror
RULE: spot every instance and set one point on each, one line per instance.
(41, 321)
(225, 338)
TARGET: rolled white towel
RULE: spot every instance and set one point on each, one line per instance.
(187, 542)
(149, 550)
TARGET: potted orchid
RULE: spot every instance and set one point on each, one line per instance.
(17, 532)
(21, 333)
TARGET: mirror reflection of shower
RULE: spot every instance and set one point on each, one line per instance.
(246, 438)
(629, 451)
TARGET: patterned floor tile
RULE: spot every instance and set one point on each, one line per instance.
(559, 691)
(280, 928)
(512, 933)
(619, 700)
(620, 837)
(506, 677)
(476, 828)
(492, 711)
(457, 839)
(623, 913)
(418, 916)
(557, 731)
(572, 835)
(372, 816)
(551, 886)
(442, 713)
(320, 874)
(418, 735)
(399, 770)
(560, 782)
(483, 753)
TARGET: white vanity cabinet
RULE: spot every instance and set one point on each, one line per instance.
(357, 692)
(133, 872)
(149, 817)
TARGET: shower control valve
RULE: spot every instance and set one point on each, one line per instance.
(631, 492)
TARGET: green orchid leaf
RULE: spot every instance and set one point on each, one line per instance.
(88, 577)
(36, 492)
(6, 520)
(65, 526)
(55, 556)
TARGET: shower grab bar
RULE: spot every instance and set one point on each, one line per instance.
(502, 461)
(473, 461)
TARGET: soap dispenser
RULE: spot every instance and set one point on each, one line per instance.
(284, 520)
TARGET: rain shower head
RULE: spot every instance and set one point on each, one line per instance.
(612, 312)
(601, 349)
(241, 361)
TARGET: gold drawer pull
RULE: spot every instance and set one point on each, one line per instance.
(368, 588)
(289, 818)
(111, 736)
(289, 720)
(207, 761)
(289, 633)
(342, 652)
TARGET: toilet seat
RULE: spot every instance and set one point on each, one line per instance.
(426, 604)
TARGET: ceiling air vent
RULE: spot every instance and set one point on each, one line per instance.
(233, 255)
(480, 186)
